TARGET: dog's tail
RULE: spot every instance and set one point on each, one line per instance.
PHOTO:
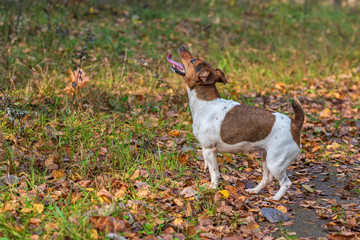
(299, 113)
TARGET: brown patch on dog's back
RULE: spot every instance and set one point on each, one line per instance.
(246, 123)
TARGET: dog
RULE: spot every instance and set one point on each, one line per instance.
(227, 126)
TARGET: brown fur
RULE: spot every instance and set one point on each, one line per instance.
(207, 92)
(246, 123)
(201, 76)
(296, 124)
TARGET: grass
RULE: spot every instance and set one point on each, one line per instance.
(120, 122)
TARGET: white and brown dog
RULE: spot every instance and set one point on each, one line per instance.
(226, 126)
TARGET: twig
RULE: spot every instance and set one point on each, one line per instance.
(82, 57)
(19, 12)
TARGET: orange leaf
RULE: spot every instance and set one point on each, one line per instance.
(57, 174)
(182, 159)
(174, 133)
(228, 159)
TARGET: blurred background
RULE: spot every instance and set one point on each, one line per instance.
(256, 43)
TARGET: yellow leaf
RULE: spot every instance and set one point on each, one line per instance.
(178, 221)
(136, 174)
(51, 227)
(280, 85)
(325, 113)
(94, 234)
(91, 10)
(57, 174)
(282, 208)
(89, 189)
(120, 194)
(39, 208)
(174, 133)
(26, 210)
(225, 193)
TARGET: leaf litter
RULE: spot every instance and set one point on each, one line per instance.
(152, 203)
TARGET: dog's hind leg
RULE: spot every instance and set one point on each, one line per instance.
(266, 178)
(210, 155)
(278, 165)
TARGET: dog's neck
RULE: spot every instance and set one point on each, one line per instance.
(200, 96)
(203, 92)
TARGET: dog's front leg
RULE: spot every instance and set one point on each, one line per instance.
(211, 161)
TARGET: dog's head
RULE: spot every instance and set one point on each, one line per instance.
(196, 70)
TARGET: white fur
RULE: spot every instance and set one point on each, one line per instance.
(279, 145)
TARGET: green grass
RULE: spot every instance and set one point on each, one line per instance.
(120, 122)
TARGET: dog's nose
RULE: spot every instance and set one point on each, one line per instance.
(182, 48)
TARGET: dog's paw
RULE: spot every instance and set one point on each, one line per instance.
(252, 190)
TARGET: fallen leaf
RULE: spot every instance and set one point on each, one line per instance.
(182, 159)
(225, 193)
(57, 174)
(188, 192)
(103, 193)
(281, 208)
(51, 227)
(39, 208)
(35, 222)
(94, 234)
(308, 188)
(110, 224)
(178, 221)
(174, 133)
(26, 210)
(228, 159)
(179, 202)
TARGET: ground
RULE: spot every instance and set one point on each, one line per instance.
(95, 133)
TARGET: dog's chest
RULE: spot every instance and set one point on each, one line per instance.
(208, 117)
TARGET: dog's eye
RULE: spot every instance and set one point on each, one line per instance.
(192, 60)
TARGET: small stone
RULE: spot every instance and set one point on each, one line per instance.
(273, 215)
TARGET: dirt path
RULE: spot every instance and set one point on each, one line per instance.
(309, 220)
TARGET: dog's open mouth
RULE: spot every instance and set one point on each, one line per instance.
(176, 67)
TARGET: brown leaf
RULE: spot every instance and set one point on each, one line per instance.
(228, 159)
(182, 159)
(288, 223)
(57, 174)
(34, 222)
(179, 222)
(109, 224)
(189, 209)
(343, 236)
(188, 192)
(105, 195)
(78, 78)
(179, 202)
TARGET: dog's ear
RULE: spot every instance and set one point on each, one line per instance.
(220, 76)
(205, 76)
(209, 77)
